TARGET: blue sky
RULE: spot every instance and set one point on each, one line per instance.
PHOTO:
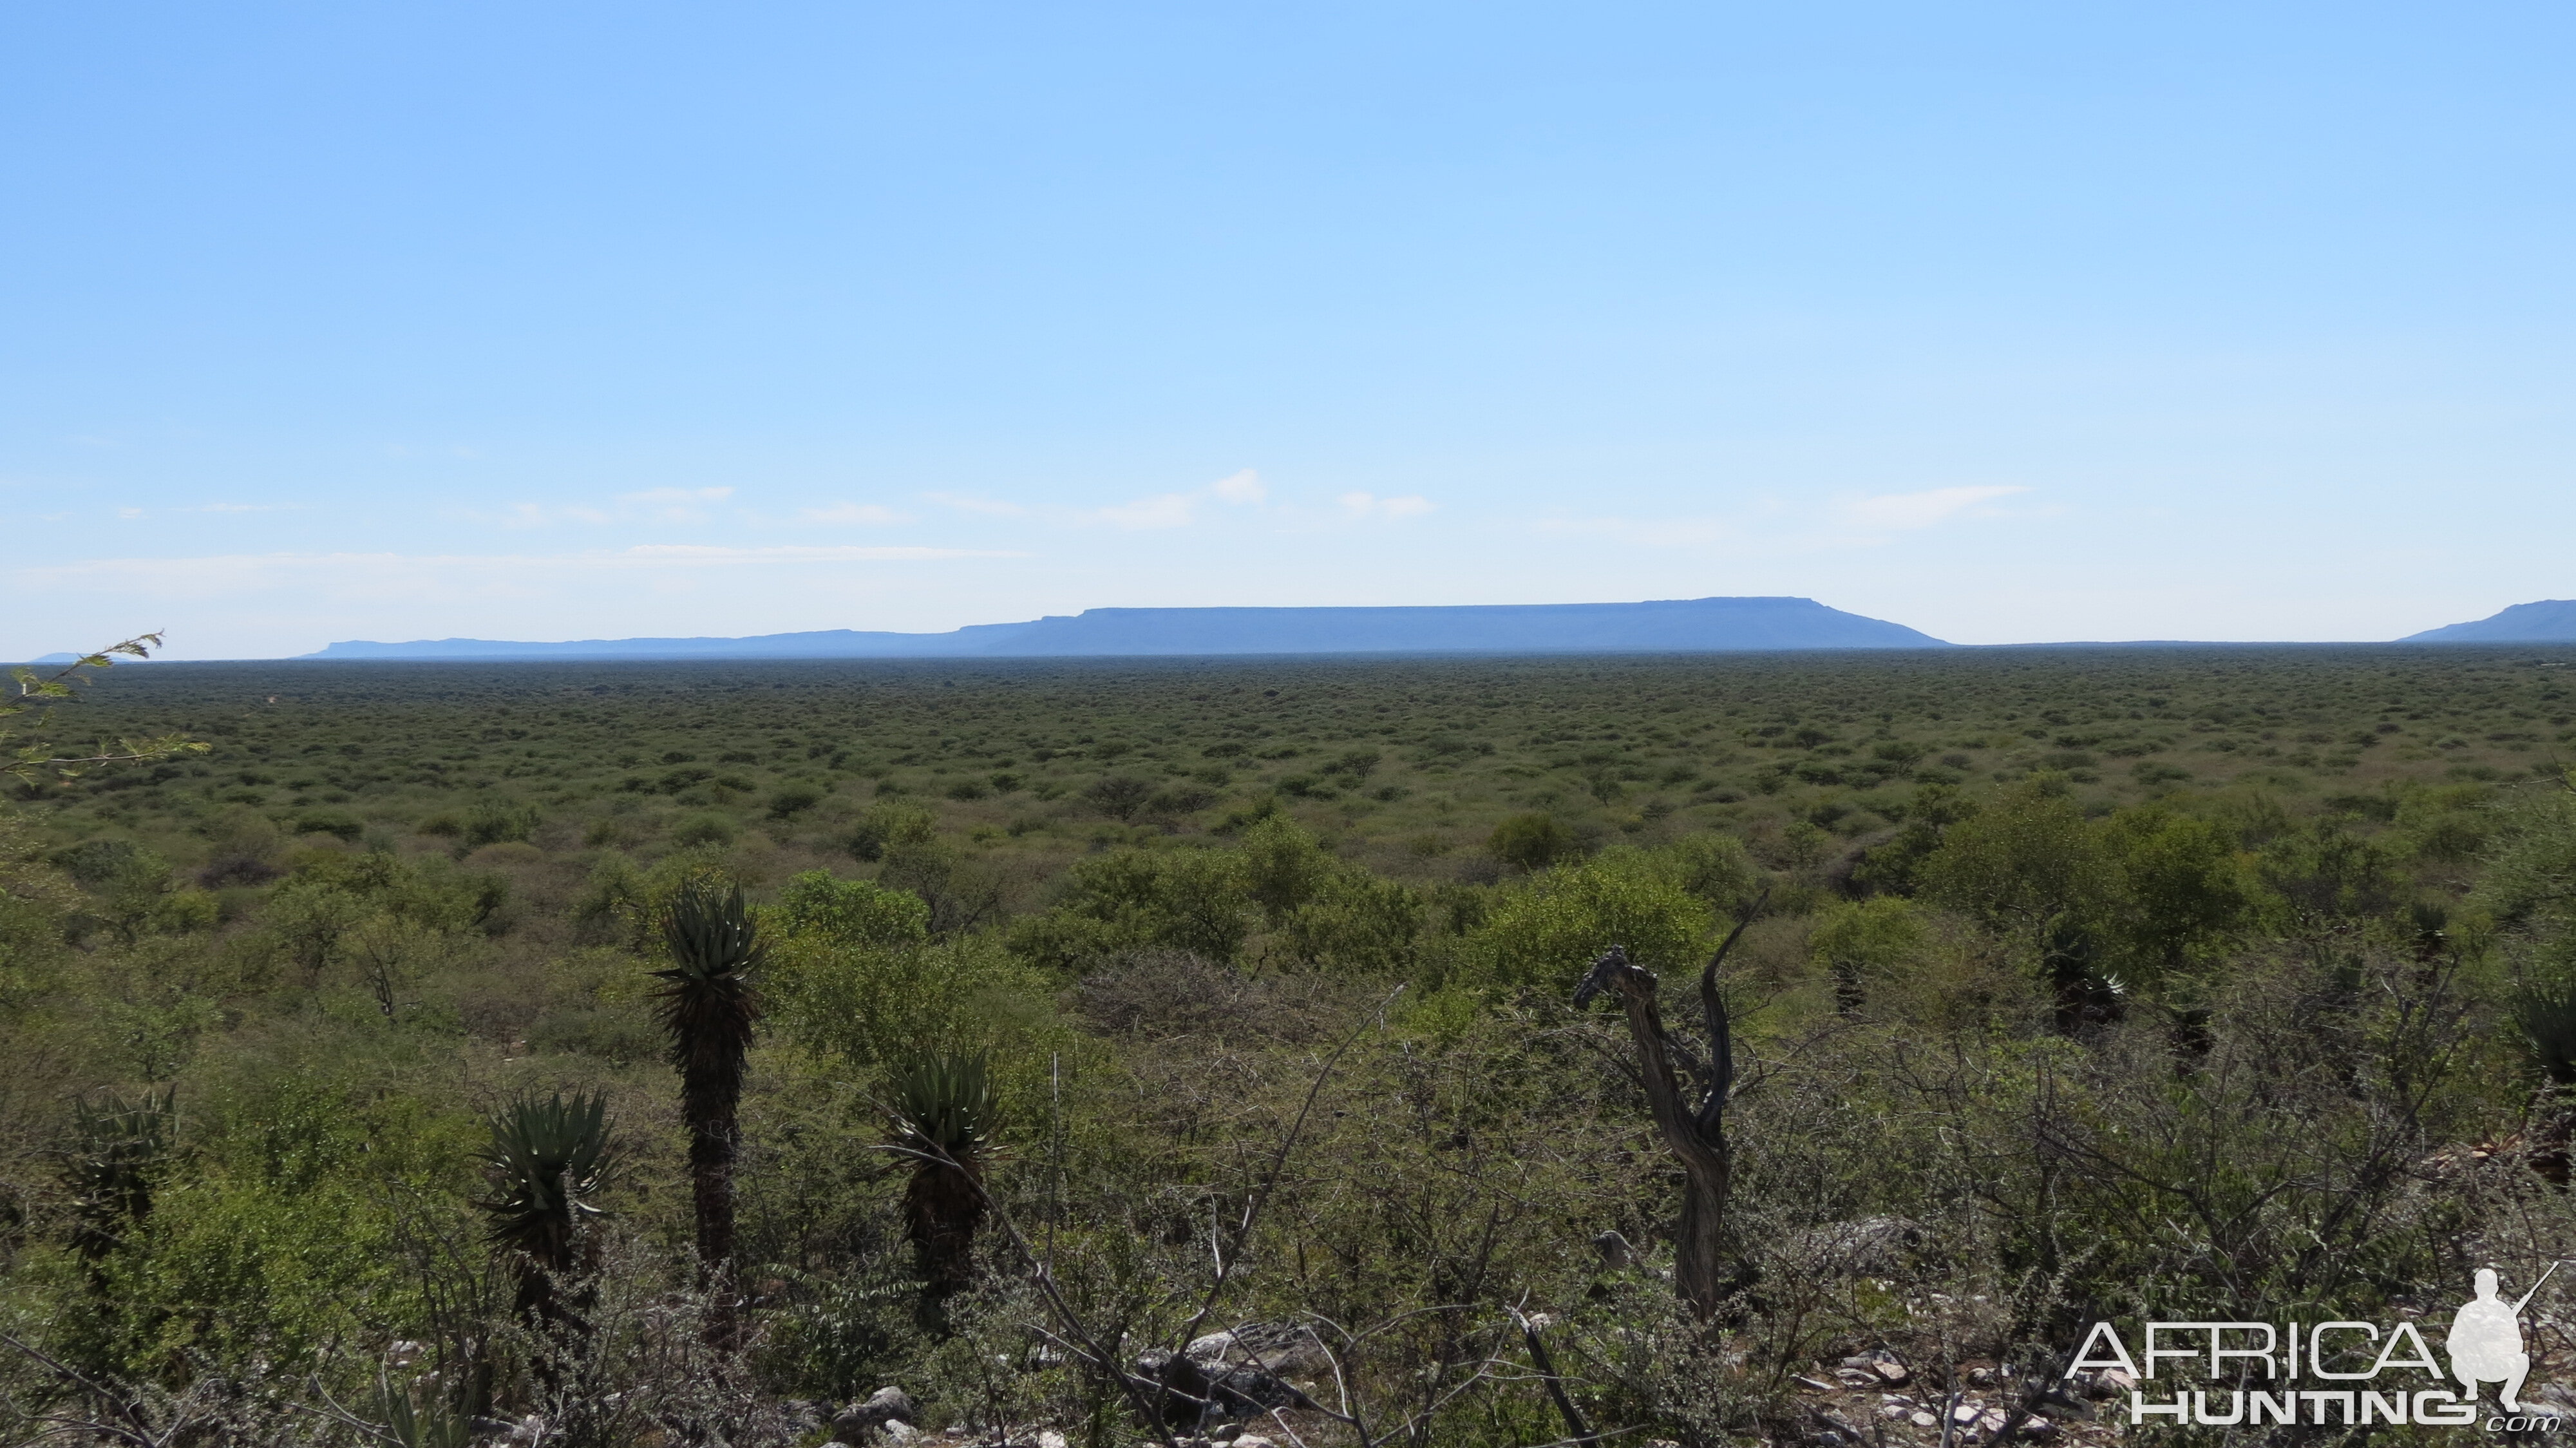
(2006, 322)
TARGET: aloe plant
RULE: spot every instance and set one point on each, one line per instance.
(708, 1008)
(946, 1117)
(2546, 1013)
(550, 1159)
(119, 1146)
(431, 1424)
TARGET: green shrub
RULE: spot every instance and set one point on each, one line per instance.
(1118, 796)
(1860, 942)
(1546, 929)
(705, 831)
(1283, 866)
(850, 912)
(231, 1267)
(182, 912)
(337, 823)
(792, 800)
(99, 864)
(1531, 841)
(2024, 860)
(493, 822)
(621, 1033)
(891, 826)
(1357, 922)
(2176, 890)
(1716, 867)
(2324, 873)
(1191, 900)
(863, 1003)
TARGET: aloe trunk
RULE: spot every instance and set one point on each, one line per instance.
(945, 1109)
(709, 1009)
(550, 1159)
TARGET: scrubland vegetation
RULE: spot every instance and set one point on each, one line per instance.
(1076, 1010)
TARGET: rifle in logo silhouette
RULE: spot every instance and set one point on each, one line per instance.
(2485, 1340)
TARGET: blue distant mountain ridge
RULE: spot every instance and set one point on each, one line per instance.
(1695, 625)
(2551, 620)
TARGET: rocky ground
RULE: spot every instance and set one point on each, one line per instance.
(1249, 1388)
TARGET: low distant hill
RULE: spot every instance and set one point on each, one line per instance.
(2552, 620)
(1697, 625)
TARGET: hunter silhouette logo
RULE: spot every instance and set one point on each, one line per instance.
(2485, 1342)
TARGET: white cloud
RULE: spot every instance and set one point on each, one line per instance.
(1369, 505)
(1643, 533)
(676, 505)
(1900, 511)
(669, 505)
(827, 553)
(677, 495)
(1164, 510)
(862, 513)
(537, 515)
(990, 507)
(347, 575)
(1179, 510)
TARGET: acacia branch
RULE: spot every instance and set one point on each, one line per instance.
(138, 1433)
(1233, 1251)
(1575, 1422)
(1088, 1345)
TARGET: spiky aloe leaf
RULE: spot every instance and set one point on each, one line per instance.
(2546, 1012)
(434, 1424)
(710, 934)
(709, 1006)
(550, 1159)
(946, 1101)
(945, 1110)
(119, 1146)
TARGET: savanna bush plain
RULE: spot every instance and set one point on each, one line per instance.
(2079, 984)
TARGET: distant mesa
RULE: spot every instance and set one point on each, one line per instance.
(2550, 621)
(1696, 625)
